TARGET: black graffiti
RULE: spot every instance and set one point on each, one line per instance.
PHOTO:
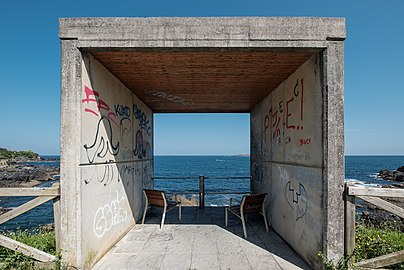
(140, 150)
(101, 146)
(297, 198)
(107, 175)
(122, 110)
(126, 169)
(144, 123)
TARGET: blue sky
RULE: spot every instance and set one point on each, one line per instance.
(374, 57)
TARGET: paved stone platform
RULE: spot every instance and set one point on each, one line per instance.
(200, 241)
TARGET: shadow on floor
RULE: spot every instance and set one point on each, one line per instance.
(201, 241)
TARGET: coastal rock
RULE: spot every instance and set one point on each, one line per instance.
(25, 175)
(48, 227)
(397, 175)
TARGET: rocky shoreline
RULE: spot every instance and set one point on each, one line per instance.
(397, 175)
(22, 175)
(372, 215)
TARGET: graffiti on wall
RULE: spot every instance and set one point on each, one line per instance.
(295, 194)
(109, 215)
(144, 122)
(105, 175)
(256, 172)
(102, 144)
(102, 107)
(296, 197)
(283, 110)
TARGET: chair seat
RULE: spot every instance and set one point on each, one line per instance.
(157, 198)
(249, 204)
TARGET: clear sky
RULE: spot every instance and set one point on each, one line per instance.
(374, 59)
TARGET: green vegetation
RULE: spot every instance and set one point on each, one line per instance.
(371, 242)
(7, 154)
(39, 239)
(374, 241)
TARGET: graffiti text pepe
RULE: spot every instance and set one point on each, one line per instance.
(144, 123)
(109, 215)
(94, 96)
(101, 146)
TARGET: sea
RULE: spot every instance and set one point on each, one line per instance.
(225, 174)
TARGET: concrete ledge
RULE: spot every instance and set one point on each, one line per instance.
(214, 28)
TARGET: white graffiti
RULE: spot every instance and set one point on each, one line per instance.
(108, 216)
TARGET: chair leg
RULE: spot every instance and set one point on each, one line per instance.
(244, 228)
(163, 218)
(265, 217)
(179, 211)
(266, 222)
(225, 216)
(144, 213)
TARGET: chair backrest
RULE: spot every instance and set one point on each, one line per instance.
(155, 197)
(253, 203)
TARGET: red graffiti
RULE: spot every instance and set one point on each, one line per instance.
(306, 141)
(277, 131)
(289, 115)
(301, 103)
(101, 104)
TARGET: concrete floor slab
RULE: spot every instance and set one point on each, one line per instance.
(188, 244)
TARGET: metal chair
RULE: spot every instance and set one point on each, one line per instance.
(249, 204)
(157, 198)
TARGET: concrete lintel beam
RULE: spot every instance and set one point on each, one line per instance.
(214, 28)
(129, 45)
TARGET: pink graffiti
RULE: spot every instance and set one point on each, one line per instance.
(93, 96)
(277, 131)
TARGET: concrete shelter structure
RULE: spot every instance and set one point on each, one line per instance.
(286, 72)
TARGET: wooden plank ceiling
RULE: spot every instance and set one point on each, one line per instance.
(185, 81)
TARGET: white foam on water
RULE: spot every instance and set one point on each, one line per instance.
(361, 183)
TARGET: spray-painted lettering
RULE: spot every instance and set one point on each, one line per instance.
(122, 110)
(108, 216)
(144, 123)
(93, 96)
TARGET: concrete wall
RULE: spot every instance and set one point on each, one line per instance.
(116, 158)
(274, 162)
(287, 158)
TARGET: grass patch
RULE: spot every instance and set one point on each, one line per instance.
(371, 242)
(39, 239)
(374, 241)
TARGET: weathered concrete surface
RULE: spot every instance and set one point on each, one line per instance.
(70, 119)
(316, 152)
(287, 156)
(333, 145)
(237, 28)
(116, 158)
(200, 241)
